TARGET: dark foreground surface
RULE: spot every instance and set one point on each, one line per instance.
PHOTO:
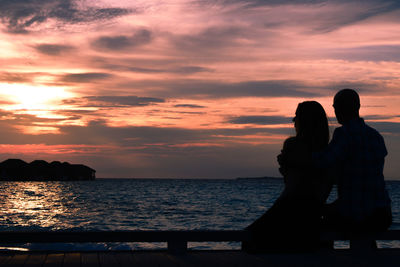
(198, 258)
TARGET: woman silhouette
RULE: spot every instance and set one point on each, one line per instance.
(291, 224)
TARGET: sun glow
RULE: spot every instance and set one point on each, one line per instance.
(32, 98)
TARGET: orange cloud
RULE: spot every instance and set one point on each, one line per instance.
(149, 78)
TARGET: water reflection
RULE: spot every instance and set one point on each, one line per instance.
(34, 205)
(133, 204)
(114, 204)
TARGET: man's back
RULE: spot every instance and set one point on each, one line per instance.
(356, 155)
(360, 152)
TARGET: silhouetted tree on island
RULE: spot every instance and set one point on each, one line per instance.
(40, 170)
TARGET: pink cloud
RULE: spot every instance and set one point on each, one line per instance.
(174, 75)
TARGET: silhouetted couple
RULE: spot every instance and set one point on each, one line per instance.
(310, 165)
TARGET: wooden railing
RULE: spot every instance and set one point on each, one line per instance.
(361, 240)
(176, 240)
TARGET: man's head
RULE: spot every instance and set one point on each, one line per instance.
(347, 105)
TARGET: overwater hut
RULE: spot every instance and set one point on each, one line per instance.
(40, 170)
(15, 168)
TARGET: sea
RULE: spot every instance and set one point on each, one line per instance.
(144, 204)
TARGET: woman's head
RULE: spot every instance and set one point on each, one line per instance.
(311, 124)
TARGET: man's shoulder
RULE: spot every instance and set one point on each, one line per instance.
(372, 131)
(361, 128)
(376, 139)
(339, 131)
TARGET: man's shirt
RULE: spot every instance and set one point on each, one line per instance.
(356, 154)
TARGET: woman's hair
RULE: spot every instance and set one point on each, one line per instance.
(312, 125)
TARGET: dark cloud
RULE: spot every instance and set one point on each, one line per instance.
(380, 117)
(278, 88)
(379, 123)
(188, 112)
(123, 42)
(255, 3)
(211, 37)
(217, 40)
(182, 87)
(174, 65)
(75, 114)
(188, 106)
(151, 137)
(124, 63)
(381, 6)
(368, 53)
(190, 70)
(324, 21)
(136, 69)
(386, 127)
(177, 70)
(53, 49)
(113, 101)
(84, 77)
(19, 16)
(262, 120)
(121, 101)
(267, 88)
(16, 77)
(363, 88)
(365, 10)
(98, 132)
(374, 106)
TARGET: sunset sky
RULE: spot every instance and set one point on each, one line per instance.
(188, 89)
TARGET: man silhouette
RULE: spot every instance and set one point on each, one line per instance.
(356, 157)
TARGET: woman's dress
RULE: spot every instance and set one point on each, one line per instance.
(292, 223)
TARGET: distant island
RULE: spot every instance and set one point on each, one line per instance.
(40, 170)
(257, 178)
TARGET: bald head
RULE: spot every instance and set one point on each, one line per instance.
(347, 105)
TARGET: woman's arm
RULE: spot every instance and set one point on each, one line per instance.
(284, 156)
